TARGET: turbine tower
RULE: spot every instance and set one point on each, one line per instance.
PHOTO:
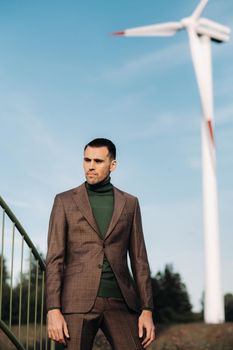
(201, 31)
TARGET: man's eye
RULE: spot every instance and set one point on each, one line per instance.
(98, 161)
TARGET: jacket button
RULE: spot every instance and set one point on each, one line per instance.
(100, 266)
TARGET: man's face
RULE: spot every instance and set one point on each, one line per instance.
(97, 164)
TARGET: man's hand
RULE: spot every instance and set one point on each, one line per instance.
(57, 327)
(145, 321)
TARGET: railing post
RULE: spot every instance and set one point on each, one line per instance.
(2, 260)
(52, 345)
(28, 301)
(12, 271)
(20, 288)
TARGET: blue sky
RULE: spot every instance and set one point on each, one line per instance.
(65, 80)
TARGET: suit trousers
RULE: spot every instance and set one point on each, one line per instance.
(118, 323)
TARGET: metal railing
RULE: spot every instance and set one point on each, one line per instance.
(22, 308)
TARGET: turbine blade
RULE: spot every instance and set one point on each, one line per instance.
(213, 34)
(163, 29)
(198, 10)
(214, 25)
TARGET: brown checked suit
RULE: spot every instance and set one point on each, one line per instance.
(76, 251)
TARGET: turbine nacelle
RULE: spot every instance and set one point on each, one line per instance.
(203, 26)
(188, 22)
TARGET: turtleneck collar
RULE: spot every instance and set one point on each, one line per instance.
(103, 186)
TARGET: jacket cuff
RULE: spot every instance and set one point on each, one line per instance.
(53, 308)
(147, 308)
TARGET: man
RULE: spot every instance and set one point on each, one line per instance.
(88, 285)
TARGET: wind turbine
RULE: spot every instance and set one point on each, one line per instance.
(201, 31)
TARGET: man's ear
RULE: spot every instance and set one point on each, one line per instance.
(113, 165)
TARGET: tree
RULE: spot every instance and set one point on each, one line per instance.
(171, 299)
(5, 274)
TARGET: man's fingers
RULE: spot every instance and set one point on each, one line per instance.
(61, 338)
(56, 335)
(140, 330)
(52, 335)
(66, 330)
(150, 338)
(147, 338)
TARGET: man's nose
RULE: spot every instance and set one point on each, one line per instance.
(92, 165)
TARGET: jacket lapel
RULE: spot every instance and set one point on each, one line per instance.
(81, 199)
(119, 202)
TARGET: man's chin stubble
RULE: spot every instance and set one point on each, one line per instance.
(92, 181)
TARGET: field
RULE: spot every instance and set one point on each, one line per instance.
(193, 336)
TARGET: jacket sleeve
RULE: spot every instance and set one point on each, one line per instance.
(55, 254)
(139, 261)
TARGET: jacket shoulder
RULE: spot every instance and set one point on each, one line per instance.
(126, 194)
(67, 193)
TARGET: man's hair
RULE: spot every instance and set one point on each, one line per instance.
(101, 142)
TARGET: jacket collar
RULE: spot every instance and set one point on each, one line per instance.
(81, 199)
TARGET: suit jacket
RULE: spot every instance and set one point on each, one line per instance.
(76, 251)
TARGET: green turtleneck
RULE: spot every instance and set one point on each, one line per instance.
(102, 202)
